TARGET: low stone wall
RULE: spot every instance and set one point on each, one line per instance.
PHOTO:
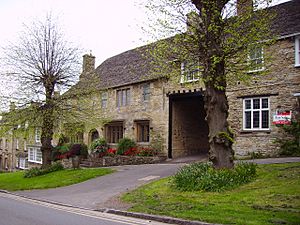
(123, 160)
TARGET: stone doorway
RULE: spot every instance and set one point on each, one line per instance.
(188, 130)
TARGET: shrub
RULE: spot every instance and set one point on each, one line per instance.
(202, 176)
(124, 145)
(99, 146)
(33, 172)
(290, 144)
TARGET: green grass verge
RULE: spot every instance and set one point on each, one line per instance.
(273, 198)
(15, 181)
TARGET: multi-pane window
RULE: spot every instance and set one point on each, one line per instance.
(34, 154)
(256, 113)
(37, 135)
(104, 98)
(256, 59)
(23, 163)
(114, 132)
(17, 143)
(123, 97)
(297, 51)
(146, 92)
(77, 138)
(143, 131)
(190, 72)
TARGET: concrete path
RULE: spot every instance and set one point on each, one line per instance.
(101, 192)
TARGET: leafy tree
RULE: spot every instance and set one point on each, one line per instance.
(217, 42)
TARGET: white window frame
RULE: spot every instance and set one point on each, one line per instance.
(34, 153)
(260, 110)
(262, 68)
(17, 144)
(23, 163)
(37, 135)
(297, 51)
(188, 76)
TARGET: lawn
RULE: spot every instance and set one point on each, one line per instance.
(273, 198)
(15, 181)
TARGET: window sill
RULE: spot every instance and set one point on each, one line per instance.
(38, 162)
(255, 131)
(257, 71)
(297, 65)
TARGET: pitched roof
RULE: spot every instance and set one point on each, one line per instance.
(133, 66)
(287, 19)
(126, 68)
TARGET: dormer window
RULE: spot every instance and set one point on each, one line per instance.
(190, 72)
(256, 59)
(297, 51)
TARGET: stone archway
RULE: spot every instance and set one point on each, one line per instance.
(188, 130)
(93, 135)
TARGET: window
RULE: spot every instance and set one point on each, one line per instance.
(35, 154)
(37, 135)
(25, 145)
(146, 92)
(23, 163)
(297, 51)
(256, 59)
(6, 143)
(190, 72)
(17, 143)
(256, 113)
(143, 131)
(123, 97)
(114, 132)
(77, 138)
(104, 97)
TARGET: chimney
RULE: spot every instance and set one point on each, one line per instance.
(88, 65)
(244, 6)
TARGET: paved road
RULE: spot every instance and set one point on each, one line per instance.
(99, 192)
(15, 210)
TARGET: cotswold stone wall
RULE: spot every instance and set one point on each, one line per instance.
(123, 160)
(279, 84)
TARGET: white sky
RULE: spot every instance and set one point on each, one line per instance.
(104, 27)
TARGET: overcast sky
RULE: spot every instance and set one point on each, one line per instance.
(104, 27)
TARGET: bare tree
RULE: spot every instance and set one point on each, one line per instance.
(42, 62)
(218, 41)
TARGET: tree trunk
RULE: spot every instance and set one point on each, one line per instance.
(48, 126)
(212, 57)
(220, 137)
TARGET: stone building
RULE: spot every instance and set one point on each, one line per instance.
(153, 109)
(149, 108)
(20, 147)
